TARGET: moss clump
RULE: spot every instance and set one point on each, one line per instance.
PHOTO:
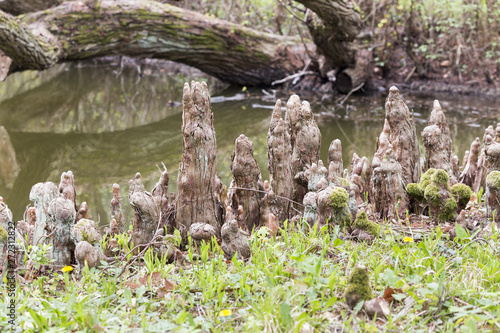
(433, 190)
(86, 230)
(345, 183)
(417, 190)
(3, 234)
(339, 198)
(448, 210)
(414, 191)
(462, 194)
(362, 222)
(493, 179)
(358, 287)
(339, 201)
(432, 195)
(440, 177)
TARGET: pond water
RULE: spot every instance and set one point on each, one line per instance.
(105, 123)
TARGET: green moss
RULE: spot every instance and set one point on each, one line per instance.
(493, 179)
(425, 180)
(432, 195)
(3, 235)
(417, 190)
(339, 198)
(342, 217)
(362, 222)
(447, 212)
(414, 191)
(440, 177)
(358, 287)
(462, 194)
(345, 183)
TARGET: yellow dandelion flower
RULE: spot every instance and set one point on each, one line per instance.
(67, 269)
(225, 313)
(408, 240)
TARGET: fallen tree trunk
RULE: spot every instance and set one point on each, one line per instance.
(17, 7)
(78, 30)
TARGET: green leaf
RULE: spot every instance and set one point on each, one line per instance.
(461, 232)
(358, 307)
(286, 318)
(40, 321)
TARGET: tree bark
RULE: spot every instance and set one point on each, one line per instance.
(334, 26)
(17, 7)
(77, 30)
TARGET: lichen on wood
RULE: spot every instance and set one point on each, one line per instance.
(246, 188)
(62, 216)
(146, 212)
(197, 182)
(403, 136)
(279, 151)
(41, 195)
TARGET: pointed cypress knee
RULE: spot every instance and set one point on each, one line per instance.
(146, 212)
(198, 187)
(116, 208)
(388, 189)
(469, 172)
(41, 195)
(306, 141)
(492, 195)
(62, 216)
(279, 151)
(403, 136)
(438, 145)
(246, 183)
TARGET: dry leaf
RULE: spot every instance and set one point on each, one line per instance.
(155, 279)
(163, 291)
(327, 315)
(388, 292)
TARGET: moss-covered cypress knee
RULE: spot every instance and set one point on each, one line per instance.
(439, 198)
(493, 194)
(363, 223)
(462, 194)
(358, 287)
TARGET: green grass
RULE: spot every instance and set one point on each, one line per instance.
(293, 282)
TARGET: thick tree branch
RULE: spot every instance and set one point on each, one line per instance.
(17, 7)
(77, 30)
(334, 26)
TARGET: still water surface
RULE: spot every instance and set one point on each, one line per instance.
(106, 123)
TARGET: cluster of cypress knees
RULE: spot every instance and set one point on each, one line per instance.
(301, 188)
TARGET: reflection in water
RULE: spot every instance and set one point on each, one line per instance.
(105, 124)
(9, 169)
